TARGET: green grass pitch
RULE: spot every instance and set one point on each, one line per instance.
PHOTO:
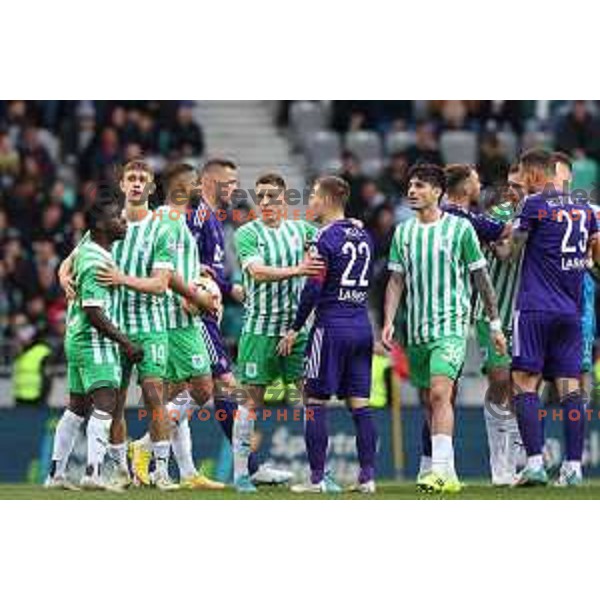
(476, 490)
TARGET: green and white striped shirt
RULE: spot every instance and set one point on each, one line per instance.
(146, 247)
(81, 336)
(186, 261)
(436, 260)
(270, 306)
(503, 273)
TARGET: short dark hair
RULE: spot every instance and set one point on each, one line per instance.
(429, 173)
(537, 157)
(456, 175)
(224, 163)
(562, 158)
(175, 170)
(514, 168)
(137, 164)
(335, 188)
(271, 179)
(97, 211)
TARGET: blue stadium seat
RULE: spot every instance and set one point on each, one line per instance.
(459, 147)
(366, 145)
(305, 119)
(398, 141)
(323, 150)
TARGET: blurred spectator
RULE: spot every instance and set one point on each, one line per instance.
(381, 225)
(501, 114)
(186, 136)
(393, 179)
(35, 155)
(453, 114)
(425, 148)
(578, 132)
(9, 161)
(351, 172)
(493, 163)
(31, 377)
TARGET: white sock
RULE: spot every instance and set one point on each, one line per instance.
(64, 440)
(161, 452)
(425, 465)
(442, 454)
(498, 444)
(243, 427)
(573, 465)
(535, 462)
(97, 439)
(118, 453)
(145, 442)
(181, 442)
(178, 407)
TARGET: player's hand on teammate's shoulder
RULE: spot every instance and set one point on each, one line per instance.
(387, 336)
(109, 276)
(66, 280)
(206, 271)
(310, 266)
(357, 223)
(133, 352)
(238, 293)
(286, 343)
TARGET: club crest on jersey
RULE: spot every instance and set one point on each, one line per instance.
(251, 370)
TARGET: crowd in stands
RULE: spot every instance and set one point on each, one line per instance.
(372, 144)
(52, 154)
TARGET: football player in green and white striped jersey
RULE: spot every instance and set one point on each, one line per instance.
(188, 362)
(272, 254)
(144, 255)
(433, 257)
(502, 429)
(92, 346)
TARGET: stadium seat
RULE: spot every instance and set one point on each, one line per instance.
(305, 119)
(536, 139)
(510, 143)
(459, 147)
(366, 145)
(398, 141)
(372, 167)
(323, 149)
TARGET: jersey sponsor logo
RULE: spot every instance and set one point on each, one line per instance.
(219, 255)
(452, 354)
(198, 361)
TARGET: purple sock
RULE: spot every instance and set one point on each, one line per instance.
(252, 463)
(527, 407)
(425, 439)
(227, 423)
(574, 425)
(366, 442)
(317, 439)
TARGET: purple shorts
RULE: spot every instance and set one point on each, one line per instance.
(547, 343)
(220, 362)
(338, 362)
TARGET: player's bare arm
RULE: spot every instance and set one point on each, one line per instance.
(393, 295)
(308, 300)
(156, 284)
(198, 298)
(105, 326)
(485, 289)
(519, 239)
(65, 277)
(309, 267)
(593, 256)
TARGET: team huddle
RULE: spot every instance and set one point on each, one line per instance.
(145, 292)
